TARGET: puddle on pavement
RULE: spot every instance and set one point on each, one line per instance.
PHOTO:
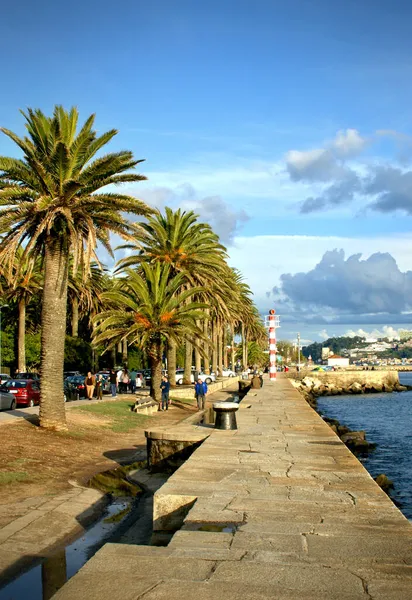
(217, 528)
(41, 582)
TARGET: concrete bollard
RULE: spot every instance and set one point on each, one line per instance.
(225, 415)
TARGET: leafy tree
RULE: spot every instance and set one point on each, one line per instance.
(149, 308)
(77, 354)
(53, 206)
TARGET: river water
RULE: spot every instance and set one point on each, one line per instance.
(387, 421)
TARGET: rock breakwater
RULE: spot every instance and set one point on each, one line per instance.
(313, 387)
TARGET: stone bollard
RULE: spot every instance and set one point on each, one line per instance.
(225, 415)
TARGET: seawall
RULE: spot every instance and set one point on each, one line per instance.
(346, 378)
(279, 509)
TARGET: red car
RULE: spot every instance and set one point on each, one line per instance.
(26, 391)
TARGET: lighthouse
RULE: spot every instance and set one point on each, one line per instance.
(272, 323)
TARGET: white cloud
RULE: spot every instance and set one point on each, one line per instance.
(387, 331)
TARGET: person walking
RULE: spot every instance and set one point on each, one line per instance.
(139, 382)
(119, 379)
(133, 375)
(113, 382)
(200, 393)
(165, 387)
(90, 382)
(99, 387)
(126, 381)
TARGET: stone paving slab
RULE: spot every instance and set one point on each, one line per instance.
(278, 509)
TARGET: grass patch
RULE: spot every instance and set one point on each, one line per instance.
(13, 477)
(123, 419)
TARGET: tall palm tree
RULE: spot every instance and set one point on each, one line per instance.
(84, 289)
(54, 206)
(149, 308)
(21, 283)
(178, 239)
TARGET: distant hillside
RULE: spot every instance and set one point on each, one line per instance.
(338, 345)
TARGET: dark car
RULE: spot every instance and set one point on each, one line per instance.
(27, 375)
(25, 391)
(70, 374)
(74, 387)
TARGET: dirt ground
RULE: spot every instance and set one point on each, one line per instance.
(35, 462)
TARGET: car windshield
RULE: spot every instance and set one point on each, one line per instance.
(15, 384)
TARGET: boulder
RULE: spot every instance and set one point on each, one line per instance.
(355, 388)
(353, 436)
(342, 429)
(307, 382)
(384, 482)
(401, 388)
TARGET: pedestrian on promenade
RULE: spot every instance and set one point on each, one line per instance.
(99, 387)
(133, 375)
(139, 382)
(165, 387)
(200, 393)
(125, 381)
(113, 382)
(119, 379)
(90, 382)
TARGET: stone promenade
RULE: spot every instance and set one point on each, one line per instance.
(279, 509)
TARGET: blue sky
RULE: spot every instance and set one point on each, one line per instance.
(286, 124)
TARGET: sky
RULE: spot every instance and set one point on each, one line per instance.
(285, 124)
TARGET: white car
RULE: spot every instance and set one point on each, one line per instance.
(228, 373)
(207, 378)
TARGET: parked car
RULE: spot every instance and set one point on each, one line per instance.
(27, 375)
(4, 377)
(70, 374)
(7, 400)
(228, 373)
(207, 378)
(74, 387)
(25, 391)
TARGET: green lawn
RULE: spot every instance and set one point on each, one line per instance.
(123, 419)
(13, 476)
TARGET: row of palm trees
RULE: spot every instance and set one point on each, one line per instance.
(58, 204)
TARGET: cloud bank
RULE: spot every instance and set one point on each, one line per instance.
(352, 286)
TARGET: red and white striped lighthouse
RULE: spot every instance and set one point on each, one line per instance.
(272, 322)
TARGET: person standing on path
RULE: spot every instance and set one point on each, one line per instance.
(99, 387)
(90, 382)
(113, 382)
(255, 384)
(165, 387)
(133, 375)
(200, 393)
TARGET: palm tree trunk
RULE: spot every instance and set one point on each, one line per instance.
(171, 362)
(114, 356)
(244, 347)
(75, 317)
(124, 353)
(155, 354)
(233, 347)
(21, 342)
(188, 364)
(214, 346)
(53, 331)
(207, 346)
(198, 360)
(224, 334)
(219, 348)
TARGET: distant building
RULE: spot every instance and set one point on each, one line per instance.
(338, 361)
(405, 334)
(325, 353)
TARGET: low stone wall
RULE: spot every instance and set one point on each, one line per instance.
(185, 391)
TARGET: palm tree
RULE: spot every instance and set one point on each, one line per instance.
(149, 307)
(84, 290)
(178, 239)
(22, 282)
(54, 206)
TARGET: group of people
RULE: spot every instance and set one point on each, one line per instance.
(122, 381)
(200, 393)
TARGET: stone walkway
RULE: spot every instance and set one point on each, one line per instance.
(279, 509)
